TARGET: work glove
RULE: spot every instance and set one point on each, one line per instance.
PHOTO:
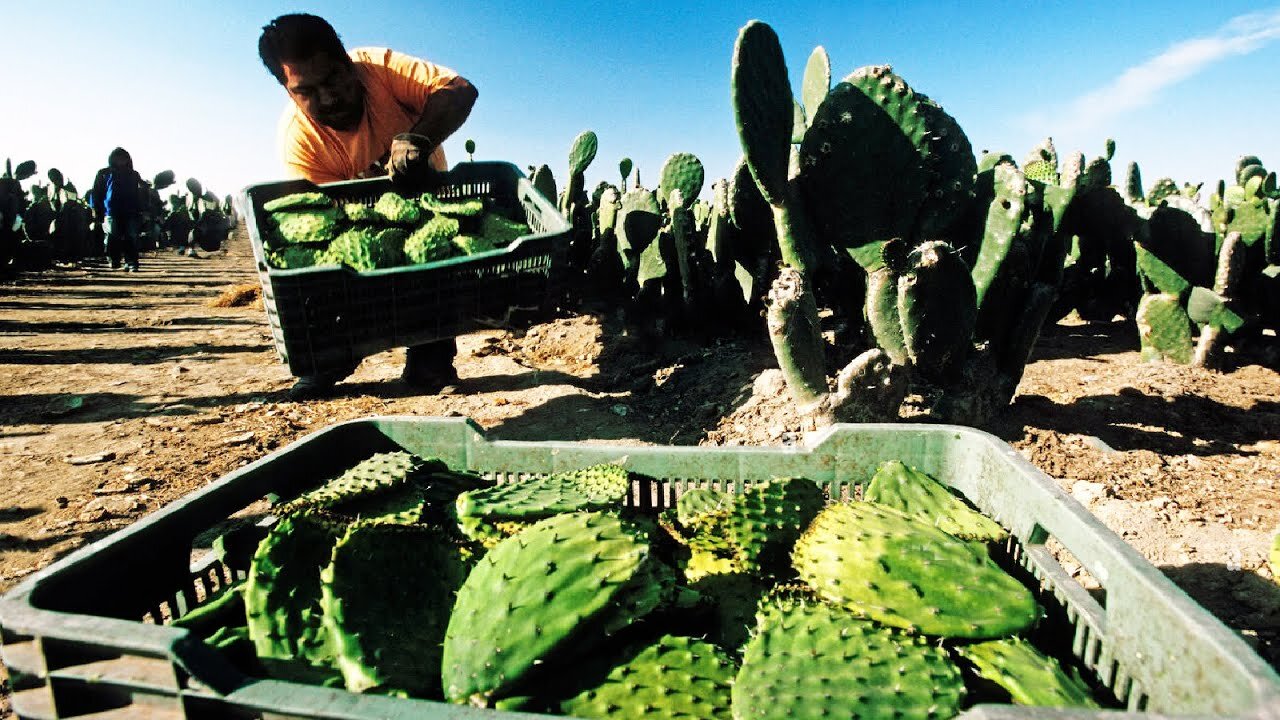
(409, 163)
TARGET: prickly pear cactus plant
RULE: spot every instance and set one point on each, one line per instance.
(812, 659)
(907, 574)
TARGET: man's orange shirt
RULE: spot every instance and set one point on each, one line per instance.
(397, 88)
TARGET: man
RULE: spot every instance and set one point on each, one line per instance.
(365, 113)
(117, 198)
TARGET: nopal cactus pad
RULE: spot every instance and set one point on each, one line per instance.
(297, 201)
(1030, 676)
(595, 488)
(675, 677)
(916, 494)
(767, 518)
(905, 573)
(378, 474)
(282, 592)
(537, 594)
(386, 594)
(810, 659)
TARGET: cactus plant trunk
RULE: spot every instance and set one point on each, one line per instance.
(796, 336)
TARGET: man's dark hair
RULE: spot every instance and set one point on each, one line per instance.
(297, 36)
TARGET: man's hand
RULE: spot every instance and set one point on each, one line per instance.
(409, 163)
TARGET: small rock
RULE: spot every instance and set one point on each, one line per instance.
(177, 370)
(90, 459)
(239, 439)
(1087, 493)
(94, 515)
(620, 410)
(247, 407)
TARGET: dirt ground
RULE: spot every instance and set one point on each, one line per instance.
(122, 392)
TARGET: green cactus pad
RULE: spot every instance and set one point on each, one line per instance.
(540, 595)
(698, 504)
(545, 183)
(598, 487)
(1041, 164)
(501, 232)
(365, 249)
(683, 172)
(433, 241)
(733, 597)
(380, 473)
(282, 592)
(1205, 307)
(1030, 676)
(307, 226)
(293, 257)
(359, 213)
(386, 594)
(882, 161)
(582, 152)
(397, 210)
(297, 201)
(225, 609)
(882, 314)
(473, 207)
(639, 220)
(809, 659)
(675, 677)
(763, 107)
(817, 81)
(1164, 329)
(766, 520)
(1178, 240)
(908, 574)
(473, 244)
(916, 494)
(937, 308)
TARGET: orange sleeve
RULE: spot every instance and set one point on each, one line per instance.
(410, 80)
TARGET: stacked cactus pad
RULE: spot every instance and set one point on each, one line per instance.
(549, 594)
(311, 228)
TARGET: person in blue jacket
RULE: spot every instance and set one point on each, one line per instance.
(118, 198)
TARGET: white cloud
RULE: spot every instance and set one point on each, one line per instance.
(1139, 85)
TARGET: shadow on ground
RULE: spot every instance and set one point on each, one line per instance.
(1134, 420)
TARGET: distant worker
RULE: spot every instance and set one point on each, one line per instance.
(366, 113)
(118, 196)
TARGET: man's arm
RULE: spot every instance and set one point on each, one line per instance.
(447, 108)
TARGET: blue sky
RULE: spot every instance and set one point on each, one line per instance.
(1183, 87)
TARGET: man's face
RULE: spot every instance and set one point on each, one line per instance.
(327, 89)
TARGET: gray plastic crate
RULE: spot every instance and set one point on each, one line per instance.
(86, 637)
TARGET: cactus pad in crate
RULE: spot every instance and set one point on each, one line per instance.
(297, 201)
(908, 574)
(386, 594)
(1030, 676)
(916, 494)
(546, 592)
(673, 677)
(811, 659)
(594, 488)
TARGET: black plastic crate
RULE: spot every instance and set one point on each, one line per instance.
(330, 317)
